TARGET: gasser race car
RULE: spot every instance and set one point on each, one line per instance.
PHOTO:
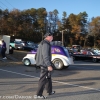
(60, 57)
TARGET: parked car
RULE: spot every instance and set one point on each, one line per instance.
(10, 49)
(12, 43)
(96, 51)
(60, 57)
(86, 55)
(30, 46)
(18, 45)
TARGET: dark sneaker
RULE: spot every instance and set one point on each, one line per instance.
(39, 97)
(53, 92)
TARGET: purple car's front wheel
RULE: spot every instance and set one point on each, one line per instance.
(27, 62)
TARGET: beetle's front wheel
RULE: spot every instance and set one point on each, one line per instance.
(27, 62)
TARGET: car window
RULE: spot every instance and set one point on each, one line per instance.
(89, 53)
(19, 42)
(11, 41)
(66, 51)
(94, 53)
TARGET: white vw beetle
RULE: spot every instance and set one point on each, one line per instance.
(60, 57)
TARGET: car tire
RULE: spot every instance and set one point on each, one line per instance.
(27, 62)
(94, 60)
(10, 49)
(58, 64)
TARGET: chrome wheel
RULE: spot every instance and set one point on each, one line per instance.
(27, 62)
(58, 64)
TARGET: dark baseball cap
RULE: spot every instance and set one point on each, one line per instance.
(48, 34)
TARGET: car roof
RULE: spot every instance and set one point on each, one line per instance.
(56, 50)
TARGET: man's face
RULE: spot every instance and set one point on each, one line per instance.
(51, 38)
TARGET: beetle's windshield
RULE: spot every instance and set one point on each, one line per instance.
(66, 51)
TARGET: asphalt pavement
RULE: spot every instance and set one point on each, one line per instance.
(80, 81)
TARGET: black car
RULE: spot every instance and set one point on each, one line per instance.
(30, 47)
(89, 55)
(11, 49)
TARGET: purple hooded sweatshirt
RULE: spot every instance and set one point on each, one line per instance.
(3, 45)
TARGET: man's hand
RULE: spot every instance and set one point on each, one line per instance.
(50, 68)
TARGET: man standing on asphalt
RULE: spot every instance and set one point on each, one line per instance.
(43, 60)
(3, 49)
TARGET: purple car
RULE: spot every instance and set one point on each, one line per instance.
(60, 57)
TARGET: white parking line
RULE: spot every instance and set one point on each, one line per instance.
(18, 73)
(53, 81)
